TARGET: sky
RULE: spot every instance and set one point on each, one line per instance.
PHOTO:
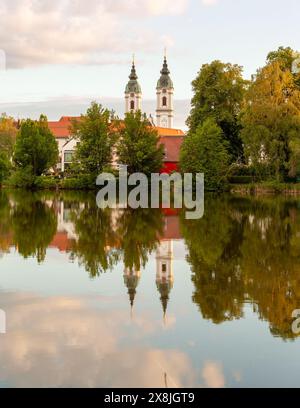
(56, 56)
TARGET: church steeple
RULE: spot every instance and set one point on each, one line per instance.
(133, 76)
(165, 92)
(133, 92)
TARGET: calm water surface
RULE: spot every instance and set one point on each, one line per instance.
(145, 298)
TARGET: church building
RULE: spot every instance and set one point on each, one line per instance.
(169, 137)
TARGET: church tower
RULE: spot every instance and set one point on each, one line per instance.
(133, 92)
(165, 93)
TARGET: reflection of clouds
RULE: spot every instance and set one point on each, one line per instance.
(237, 375)
(213, 375)
(59, 341)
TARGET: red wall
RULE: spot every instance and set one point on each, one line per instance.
(170, 167)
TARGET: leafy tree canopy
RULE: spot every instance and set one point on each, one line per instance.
(205, 151)
(36, 148)
(4, 166)
(219, 90)
(289, 60)
(138, 146)
(271, 119)
(95, 135)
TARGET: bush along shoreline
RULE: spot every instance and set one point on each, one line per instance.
(242, 185)
(266, 188)
(83, 182)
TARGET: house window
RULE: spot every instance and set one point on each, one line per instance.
(132, 105)
(68, 156)
(164, 268)
(164, 101)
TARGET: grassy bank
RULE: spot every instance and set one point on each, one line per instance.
(84, 182)
(266, 188)
(87, 182)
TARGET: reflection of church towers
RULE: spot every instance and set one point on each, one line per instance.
(164, 272)
(131, 280)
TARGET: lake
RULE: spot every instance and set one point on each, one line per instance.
(146, 298)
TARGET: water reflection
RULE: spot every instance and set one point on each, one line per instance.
(243, 251)
(247, 250)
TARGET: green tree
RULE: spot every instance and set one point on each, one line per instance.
(36, 149)
(95, 134)
(4, 167)
(8, 132)
(271, 119)
(218, 93)
(138, 146)
(205, 151)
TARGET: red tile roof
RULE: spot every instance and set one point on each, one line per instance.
(169, 132)
(62, 128)
(170, 138)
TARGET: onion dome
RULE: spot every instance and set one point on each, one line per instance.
(165, 80)
(133, 86)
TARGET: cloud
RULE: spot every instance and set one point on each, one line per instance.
(74, 31)
(158, 7)
(64, 342)
(209, 2)
(213, 375)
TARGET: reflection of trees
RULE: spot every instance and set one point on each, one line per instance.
(246, 250)
(139, 232)
(34, 225)
(5, 222)
(97, 244)
(271, 262)
(213, 244)
(103, 235)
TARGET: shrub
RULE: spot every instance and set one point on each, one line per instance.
(45, 183)
(4, 167)
(205, 151)
(240, 179)
(81, 182)
(22, 178)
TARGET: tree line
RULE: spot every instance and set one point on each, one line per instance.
(237, 128)
(29, 151)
